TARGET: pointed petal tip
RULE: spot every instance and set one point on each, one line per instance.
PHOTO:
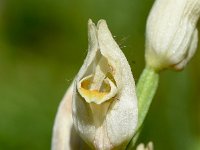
(90, 21)
(101, 23)
(103, 30)
(90, 24)
(92, 35)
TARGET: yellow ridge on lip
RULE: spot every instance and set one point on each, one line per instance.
(92, 94)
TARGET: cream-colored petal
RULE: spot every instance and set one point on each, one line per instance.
(63, 123)
(191, 51)
(124, 108)
(89, 62)
(64, 136)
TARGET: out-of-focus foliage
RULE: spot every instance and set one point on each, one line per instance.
(43, 44)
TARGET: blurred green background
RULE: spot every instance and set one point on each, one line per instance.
(43, 44)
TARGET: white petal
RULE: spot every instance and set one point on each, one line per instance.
(82, 114)
(191, 51)
(63, 123)
(64, 135)
(122, 118)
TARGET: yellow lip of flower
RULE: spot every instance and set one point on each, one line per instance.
(93, 94)
(98, 96)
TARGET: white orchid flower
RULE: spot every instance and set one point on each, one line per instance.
(171, 33)
(104, 104)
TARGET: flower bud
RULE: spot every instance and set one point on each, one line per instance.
(171, 34)
(104, 106)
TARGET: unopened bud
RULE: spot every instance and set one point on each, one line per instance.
(171, 34)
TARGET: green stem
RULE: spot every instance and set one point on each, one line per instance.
(146, 89)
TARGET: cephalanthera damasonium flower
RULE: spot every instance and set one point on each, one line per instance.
(104, 106)
(171, 34)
